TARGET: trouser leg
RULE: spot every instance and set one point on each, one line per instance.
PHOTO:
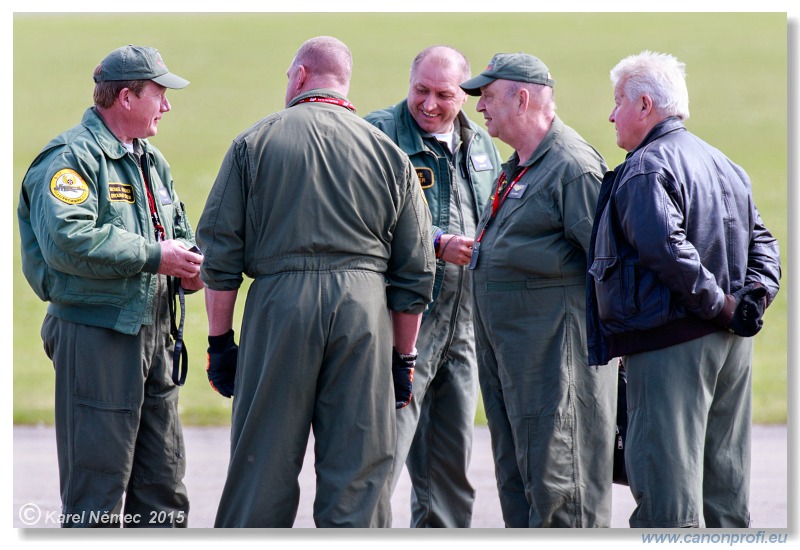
(595, 426)
(354, 417)
(409, 417)
(510, 485)
(156, 494)
(726, 468)
(670, 394)
(442, 495)
(273, 404)
(100, 380)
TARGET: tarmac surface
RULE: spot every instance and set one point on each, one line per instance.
(37, 503)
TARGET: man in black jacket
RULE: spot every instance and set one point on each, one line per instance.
(681, 270)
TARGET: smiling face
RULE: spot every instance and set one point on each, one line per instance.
(434, 95)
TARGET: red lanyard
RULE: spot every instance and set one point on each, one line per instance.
(332, 100)
(160, 232)
(497, 201)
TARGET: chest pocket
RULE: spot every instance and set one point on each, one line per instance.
(541, 208)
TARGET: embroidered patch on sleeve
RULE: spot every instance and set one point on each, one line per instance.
(67, 186)
(120, 192)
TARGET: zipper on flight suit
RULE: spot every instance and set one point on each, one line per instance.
(457, 196)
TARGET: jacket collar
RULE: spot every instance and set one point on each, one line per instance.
(666, 126)
(108, 142)
(544, 146)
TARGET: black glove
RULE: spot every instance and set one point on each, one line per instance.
(751, 301)
(221, 366)
(402, 375)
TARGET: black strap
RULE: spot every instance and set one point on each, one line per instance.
(180, 355)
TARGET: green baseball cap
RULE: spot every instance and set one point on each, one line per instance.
(137, 63)
(520, 67)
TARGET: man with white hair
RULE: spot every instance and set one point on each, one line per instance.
(681, 271)
(325, 214)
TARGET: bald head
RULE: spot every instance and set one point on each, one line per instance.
(445, 57)
(321, 62)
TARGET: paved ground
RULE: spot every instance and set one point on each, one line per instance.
(36, 480)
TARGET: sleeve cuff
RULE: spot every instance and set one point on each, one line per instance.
(153, 261)
(725, 316)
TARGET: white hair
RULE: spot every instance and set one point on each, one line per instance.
(658, 75)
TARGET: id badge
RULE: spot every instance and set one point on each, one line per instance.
(476, 248)
(517, 190)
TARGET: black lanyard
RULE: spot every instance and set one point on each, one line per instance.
(180, 356)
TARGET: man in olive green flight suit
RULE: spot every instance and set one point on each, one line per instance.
(103, 237)
(551, 415)
(325, 214)
(457, 164)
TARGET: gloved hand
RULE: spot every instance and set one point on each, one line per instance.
(751, 301)
(403, 375)
(221, 366)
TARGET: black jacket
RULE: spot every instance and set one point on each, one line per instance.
(676, 229)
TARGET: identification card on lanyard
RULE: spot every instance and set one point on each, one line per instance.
(497, 202)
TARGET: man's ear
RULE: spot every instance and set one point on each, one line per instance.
(524, 100)
(301, 76)
(645, 106)
(124, 97)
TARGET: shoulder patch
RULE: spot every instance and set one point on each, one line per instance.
(67, 186)
(425, 176)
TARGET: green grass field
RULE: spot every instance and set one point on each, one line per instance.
(736, 64)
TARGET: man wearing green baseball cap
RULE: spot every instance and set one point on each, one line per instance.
(105, 240)
(137, 63)
(551, 415)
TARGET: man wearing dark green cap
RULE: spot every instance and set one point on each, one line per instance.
(104, 240)
(551, 415)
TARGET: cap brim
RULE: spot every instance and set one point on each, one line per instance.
(473, 85)
(170, 80)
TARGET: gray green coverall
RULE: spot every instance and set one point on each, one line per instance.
(325, 214)
(434, 432)
(551, 415)
(89, 249)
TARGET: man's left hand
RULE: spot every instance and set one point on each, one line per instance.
(403, 375)
(751, 301)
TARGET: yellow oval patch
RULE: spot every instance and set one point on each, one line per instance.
(67, 186)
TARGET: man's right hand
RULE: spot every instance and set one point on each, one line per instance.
(221, 366)
(751, 301)
(403, 375)
(178, 261)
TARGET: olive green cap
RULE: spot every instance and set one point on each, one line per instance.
(137, 63)
(520, 67)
